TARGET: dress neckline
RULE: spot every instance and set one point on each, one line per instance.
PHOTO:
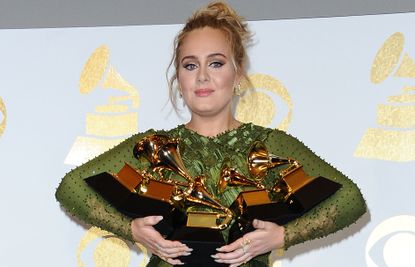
(221, 135)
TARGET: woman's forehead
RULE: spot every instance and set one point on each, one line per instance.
(204, 42)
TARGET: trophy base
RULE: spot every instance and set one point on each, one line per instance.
(278, 212)
(203, 241)
(135, 205)
(314, 192)
(298, 203)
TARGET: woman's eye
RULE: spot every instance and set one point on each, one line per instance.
(216, 64)
(190, 66)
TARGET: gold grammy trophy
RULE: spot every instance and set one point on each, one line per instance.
(110, 123)
(136, 194)
(394, 138)
(295, 192)
(230, 177)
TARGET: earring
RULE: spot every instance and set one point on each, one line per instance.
(180, 92)
(181, 96)
(237, 90)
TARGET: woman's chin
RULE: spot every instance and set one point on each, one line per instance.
(205, 112)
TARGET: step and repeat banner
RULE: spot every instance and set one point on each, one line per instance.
(344, 86)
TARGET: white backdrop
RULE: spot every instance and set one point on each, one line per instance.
(317, 69)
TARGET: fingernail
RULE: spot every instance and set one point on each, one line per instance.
(214, 256)
(219, 249)
(187, 254)
(218, 260)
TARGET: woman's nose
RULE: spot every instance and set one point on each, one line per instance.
(203, 75)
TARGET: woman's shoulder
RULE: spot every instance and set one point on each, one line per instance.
(277, 138)
(270, 133)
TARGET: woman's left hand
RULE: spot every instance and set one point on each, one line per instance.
(267, 236)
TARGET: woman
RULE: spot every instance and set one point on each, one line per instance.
(209, 65)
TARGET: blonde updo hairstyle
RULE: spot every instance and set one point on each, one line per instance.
(217, 15)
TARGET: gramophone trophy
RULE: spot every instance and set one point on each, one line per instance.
(136, 194)
(230, 177)
(297, 190)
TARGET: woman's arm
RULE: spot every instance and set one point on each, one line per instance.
(338, 211)
(81, 201)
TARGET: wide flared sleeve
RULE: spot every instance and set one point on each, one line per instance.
(338, 211)
(82, 202)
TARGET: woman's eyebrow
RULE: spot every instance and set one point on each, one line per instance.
(188, 57)
(209, 56)
(216, 54)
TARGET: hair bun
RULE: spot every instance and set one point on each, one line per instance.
(223, 13)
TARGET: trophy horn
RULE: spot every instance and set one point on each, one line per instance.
(163, 154)
(149, 147)
(170, 159)
(260, 161)
(230, 177)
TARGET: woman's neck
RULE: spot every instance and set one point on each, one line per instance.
(212, 126)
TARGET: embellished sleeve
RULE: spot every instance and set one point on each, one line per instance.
(82, 202)
(338, 211)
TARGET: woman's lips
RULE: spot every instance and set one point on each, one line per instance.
(204, 92)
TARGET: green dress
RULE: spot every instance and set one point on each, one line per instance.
(205, 155)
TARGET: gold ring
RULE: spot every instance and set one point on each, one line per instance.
(244, 249)
(245, 242)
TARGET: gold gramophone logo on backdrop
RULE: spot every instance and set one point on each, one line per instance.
(394, 138)
(108, 250)
(259, 106)
(111, 122)
(3, 116)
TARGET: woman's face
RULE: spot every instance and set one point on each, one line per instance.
(206, 74)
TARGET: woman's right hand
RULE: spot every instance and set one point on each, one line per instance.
(144, 233)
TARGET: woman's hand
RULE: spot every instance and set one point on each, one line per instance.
(145, 234)
(267, 236)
